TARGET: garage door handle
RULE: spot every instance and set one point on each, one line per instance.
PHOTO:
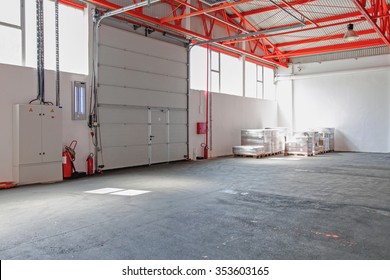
(151, 137)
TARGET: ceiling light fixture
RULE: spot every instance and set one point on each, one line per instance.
(351, 35)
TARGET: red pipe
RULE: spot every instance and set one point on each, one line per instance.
(206, 148)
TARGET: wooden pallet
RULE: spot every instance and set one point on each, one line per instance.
(272, 154)
(248, 156)
(260, 155)
(300, 155)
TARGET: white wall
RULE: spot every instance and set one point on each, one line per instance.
(19, 85)
(229, 114)
(351, 95)
(284, 99)
(197, 113)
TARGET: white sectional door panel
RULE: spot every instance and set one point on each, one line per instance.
(158, 137)
(177, 134)
(142, 99)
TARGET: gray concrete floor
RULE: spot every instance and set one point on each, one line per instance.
(333, 206)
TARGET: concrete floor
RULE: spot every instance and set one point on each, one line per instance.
(333, 206)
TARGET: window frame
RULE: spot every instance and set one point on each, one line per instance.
(79, 89)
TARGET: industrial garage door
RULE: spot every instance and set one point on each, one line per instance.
(142, 99)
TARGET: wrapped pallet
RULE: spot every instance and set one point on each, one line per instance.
(248, 150)
(252, 137)
(324, 141)
(328, 137)
(268, 145)
(315, 135)
(257, 137)
(272, 139)
(277, 138)
(300, 144)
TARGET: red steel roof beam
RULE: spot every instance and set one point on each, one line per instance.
(266, 62)
(334, 48)
(204, 11)
(228, 24)
(299, 13)
(366, 14)
(232, 25)
(272, 8)
(243, 19)
(293, 31)
(72, 4)
(324, 38)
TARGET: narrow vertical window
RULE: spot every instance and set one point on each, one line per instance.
(79, 101)
(215, 72)
(250, 79)
(269, 86)
(259, 81)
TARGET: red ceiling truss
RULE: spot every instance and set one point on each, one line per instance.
(325, 22)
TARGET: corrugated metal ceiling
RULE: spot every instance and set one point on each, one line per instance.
(325, 23)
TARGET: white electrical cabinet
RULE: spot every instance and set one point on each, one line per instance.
(37, 144)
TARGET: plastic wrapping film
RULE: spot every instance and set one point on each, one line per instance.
(248, 150)
(327, 138)
(300, 144)
(272, 139)
(252, 137)
(315, 135)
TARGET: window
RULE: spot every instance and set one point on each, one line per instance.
(73, 28)
(215, 81)
(226, 75)
(10, 12)
(11, 51)
(198, 66)
(18, 26)
(269, 86)
(231, 75)
(250, 79)
(79, 101)
(259, 81)
(11, 48)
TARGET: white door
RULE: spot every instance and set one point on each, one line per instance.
(51, 134)
(158, 136)
(138, 75)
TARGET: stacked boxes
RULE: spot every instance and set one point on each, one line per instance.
(324, 141)
(277, 138)
(315, 135)
(327, 138)
(300, 144)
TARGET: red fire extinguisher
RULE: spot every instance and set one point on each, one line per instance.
(68, 156)
(66, 165)
(90, 164)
